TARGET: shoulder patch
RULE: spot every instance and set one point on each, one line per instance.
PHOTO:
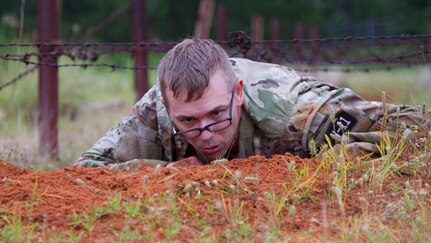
(343, 122)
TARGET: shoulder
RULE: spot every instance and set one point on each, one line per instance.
(146, 108)
(268, 93)
(248, 69)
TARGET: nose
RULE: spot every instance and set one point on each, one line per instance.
(206, 135)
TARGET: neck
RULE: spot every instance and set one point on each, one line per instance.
(233, 148)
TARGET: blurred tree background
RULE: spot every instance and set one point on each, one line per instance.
(174, 20)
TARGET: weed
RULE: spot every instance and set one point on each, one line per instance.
(387, 165)
(133, 209)
(395, 186)
(74, 237)
(113, 204)
(16, 231)
(56, 238)
(87, 221)
(236, 177)
(34, 195)
(126, 234)
(233, 213)
(366, 227)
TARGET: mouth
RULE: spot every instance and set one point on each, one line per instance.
(212, 150)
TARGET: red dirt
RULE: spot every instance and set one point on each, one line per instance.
(51, 198)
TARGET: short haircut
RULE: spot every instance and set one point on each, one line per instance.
(187, 68)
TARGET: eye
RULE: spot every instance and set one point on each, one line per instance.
(187, 120)
(216, 113)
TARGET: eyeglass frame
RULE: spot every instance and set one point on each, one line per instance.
(201, 129)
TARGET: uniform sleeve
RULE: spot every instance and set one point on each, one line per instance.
(360, 125)
(134, 141)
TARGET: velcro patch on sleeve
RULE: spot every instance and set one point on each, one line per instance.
(343, 122)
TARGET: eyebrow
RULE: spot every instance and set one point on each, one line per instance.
(220, 107)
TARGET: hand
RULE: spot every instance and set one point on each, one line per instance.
(136, 164)
(184, 164)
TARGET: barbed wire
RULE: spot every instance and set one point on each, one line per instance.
(115, 66)
(237, 34)
(18, 77)
(102, 24)
(418, 57)
(349, 53)
(81, 65)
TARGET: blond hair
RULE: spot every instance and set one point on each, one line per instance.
(187, 68)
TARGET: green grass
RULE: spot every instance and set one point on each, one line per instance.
(390, 204)
(405, 85)
(91, 101)
(94, 99)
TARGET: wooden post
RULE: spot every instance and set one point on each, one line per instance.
(298, 34)
(429, 38)
(275, 46)
(205, 16)
(139, 26)
(48, 33)
(314, 34)
(222, 22)
(257, 28)
(275, 29)
(298, 31)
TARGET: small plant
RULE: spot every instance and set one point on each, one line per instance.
(113, 204)
(35, 196)
(13, 231)
(233, 213)
(133, 209)
(74, 237)
(387, 165)
(87, 221)
(236, 177)
(126, 234)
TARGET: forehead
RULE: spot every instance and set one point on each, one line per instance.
(216, 94)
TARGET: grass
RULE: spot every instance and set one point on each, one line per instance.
(395, 211)
(93, 100)
(404, 85)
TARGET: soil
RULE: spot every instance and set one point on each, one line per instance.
(204, 193)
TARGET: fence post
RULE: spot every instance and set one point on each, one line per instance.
(429, 33)
(205, 15)
(298, 33)
(221, 22)
(139, 25)
(275, 29)
(314, 34)
(257, 28)
(48, 33)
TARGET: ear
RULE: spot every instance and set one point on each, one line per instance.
(238, 92)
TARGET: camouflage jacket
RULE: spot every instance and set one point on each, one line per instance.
(282, 112)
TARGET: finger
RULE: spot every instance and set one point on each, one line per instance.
(173, 169)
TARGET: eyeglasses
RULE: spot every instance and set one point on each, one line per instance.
(213, 127)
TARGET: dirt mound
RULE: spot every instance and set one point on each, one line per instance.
(97, 203)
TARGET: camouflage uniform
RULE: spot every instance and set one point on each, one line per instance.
(283, 110)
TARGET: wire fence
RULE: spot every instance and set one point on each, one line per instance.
(348, 54)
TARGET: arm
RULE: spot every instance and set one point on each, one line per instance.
(361, 125)
(130, 144)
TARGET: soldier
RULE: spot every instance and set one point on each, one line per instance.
(205, 106)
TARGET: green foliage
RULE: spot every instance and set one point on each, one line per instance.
(16, 231)
(173, 20)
